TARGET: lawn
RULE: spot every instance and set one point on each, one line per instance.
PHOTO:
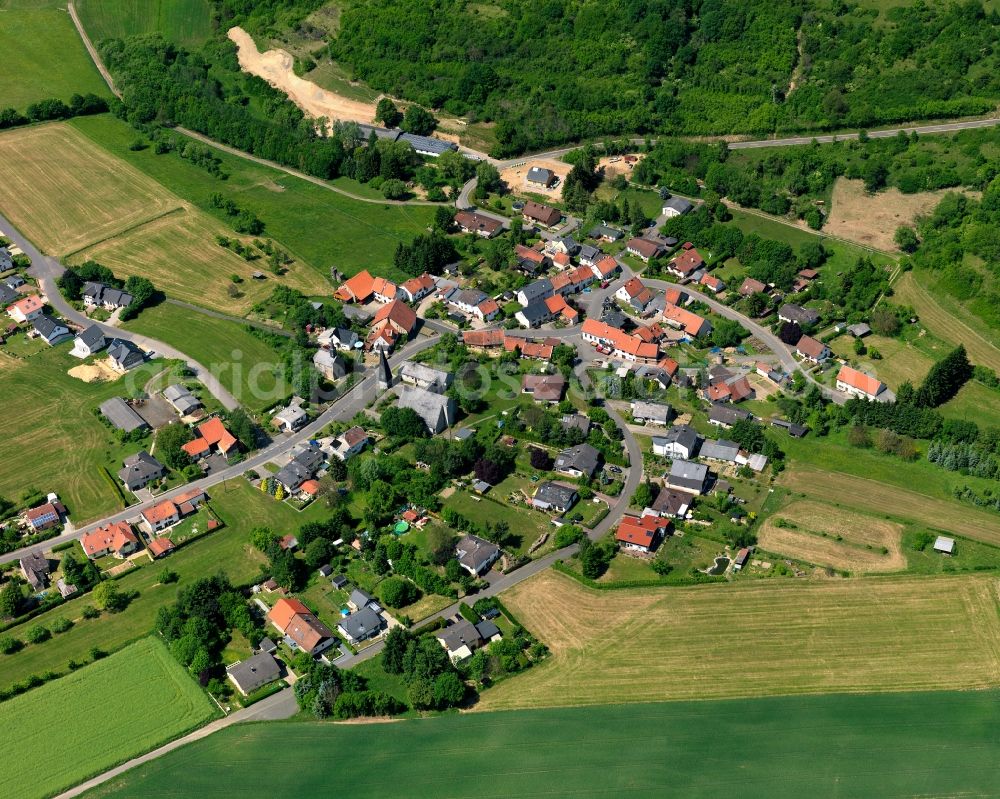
(43, 55)
(892, 746)
(976, 403)
(64, 192)
(96, 717)
(241, 509)
(753, 638)
(525, 525)
(58, 442)
(314, 224)
(247, 366)
(184, 22)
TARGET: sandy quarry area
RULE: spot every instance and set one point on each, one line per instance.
(515, 177)
(275, 66)
(96, 372)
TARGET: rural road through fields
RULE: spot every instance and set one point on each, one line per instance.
(47, 270)
(344, 408)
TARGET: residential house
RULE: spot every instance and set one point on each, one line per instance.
(181, 399)
(35, 569)
(480, 224)
(358, 288)
(688, 321)
(751, 286)
(725, 417)
(635, 293)
(542, 214)
(575, 421)
(680, 441)
(687, 476)
(797, 314)
(476, 555)
(554, 496)
(731, 389)
(290, 419)
(44, 516)
(416, 288)
(558, 307)
(540, 177)
(122, 416)
(7, 296)
(474, 303)
(393, 320)
(643, 249)
(712, 283)
(651, 412)
(139, 470)
(483, 339)
(361, 625)
(641, 533)
(159, 516)
(529, 260)
(567, 245)
(426, 377)
(360, 598)
(622, 345)
(98, 295)
(676, 206)
(300, 627)
(605, 233)
(437, 410)
(527, 348)
(124, 355)
(305, 461)
(117, 539)
(672, 503)
(534, 315)
(535, 292)
(49, 330)
(350, 443)
(605, 268)
(686, 263)
(858, 384)
(460, 639)
(212, 437)
(160, 547)
(6, 261)
(384, 290)
(26, 309)
(253, 673)
(720, 450)
(329, 364)
(812, 350)
(338, 338)
(588, 255)
(544, 388)
(579, 461)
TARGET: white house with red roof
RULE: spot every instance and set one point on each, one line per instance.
(118, 540)
(26, 309)
(641, 533)
(858, 384)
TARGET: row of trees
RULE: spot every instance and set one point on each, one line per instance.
(46, 110)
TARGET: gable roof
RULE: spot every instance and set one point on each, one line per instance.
(541, 213)
(398, 313)
(871, 386)
(751, 286)
(114, 536)
(811, 348)
(159, 512)
(284, 609)
(582, 457)
(357, 288)
(640, 531)
(644, 247)
(688, 261)
(483, 338)
(28, 305)
(548, 388)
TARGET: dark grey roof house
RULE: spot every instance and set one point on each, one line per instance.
(535, 292)
(721, 450)
(726, 416)
(688, 476)
(541, 177)
(579, 461)
(476, 554)
(651, 412)
(88, 342)
(575, 421)
(35, 568)
(50, 330)
(253, 673)
(796, 313)
(140, 470)
(182, 399)
(672, 503)
(680, 441)
(554, 496)
(124, 355)
(361, 625)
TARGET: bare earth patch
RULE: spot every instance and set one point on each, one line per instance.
(96, 372)
(275, 66)
(873, 219)
(856, 531)
(515, 177)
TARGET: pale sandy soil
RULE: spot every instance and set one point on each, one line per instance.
(515, 177)
(97, 372)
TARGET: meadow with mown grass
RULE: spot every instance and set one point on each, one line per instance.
(184, 22)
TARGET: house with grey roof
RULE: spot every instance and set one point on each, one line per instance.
(253, 673)
(534, 315)
(437, 410)
(124, 355)
(329, 364)
(676, 206)
(538, 291)
(359, 598)
(790, 312)
(88, 342)
(605, 233)
(476, 554)
(651, 412)
(306, 459)
(361, 625)
(98, 295)
(290, 419)
(726, 416)
(579, 461)
(182, 400)
(575, 421)
(339, 338)
(121, 416)
(35, 569)
(51, 331)
(554, 496)
(459, 639)
(140, 470)
(687, 476)
(680, 441)
(426, 377)
(674, 504)
(427, 145)
(541, 177)
(720, 450)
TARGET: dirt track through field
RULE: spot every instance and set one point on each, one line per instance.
(874, 496)
(774, 636)
(818, 527)
(276, 67)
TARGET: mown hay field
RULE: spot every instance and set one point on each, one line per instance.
(827, 536)
(64, 192)
(753, 639)
(179, 253)
(184, 22)
(875, 496)
(76, 726)
(890, 746)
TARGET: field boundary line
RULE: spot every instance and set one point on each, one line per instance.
(182, 208)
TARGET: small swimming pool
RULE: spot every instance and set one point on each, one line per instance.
(721, 564)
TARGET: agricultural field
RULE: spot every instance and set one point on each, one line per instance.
(974, 402)
(752, 639)
(946, 321)
(58, 443)
(239, 506)
(834, 537)
(43, 55)
(315, 225)
(96, 717)
(179, 253)
(248, 367)
(184, 22)
(64, 193)
(900, 361)
(891, 746)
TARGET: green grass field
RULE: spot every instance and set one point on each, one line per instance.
(184, 22)
(244, 364)
(53, 449)
(98, 716)
(903, 745)
(43, 55)
(320, 227)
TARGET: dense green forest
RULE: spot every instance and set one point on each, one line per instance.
(560, 70)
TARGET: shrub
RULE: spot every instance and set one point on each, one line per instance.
(9, 645)
(61, 625)
(38, 634)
